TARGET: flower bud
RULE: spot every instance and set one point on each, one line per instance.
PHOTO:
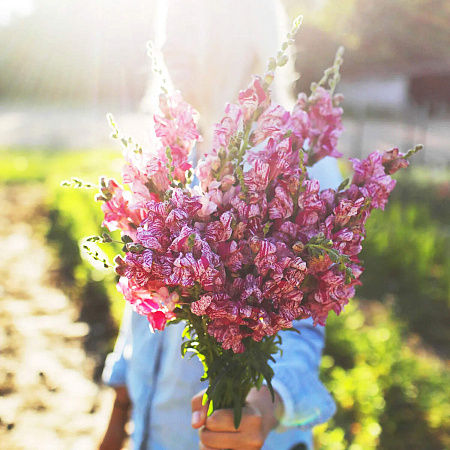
(227, 182)
(255, 244)
(282, 61)
(272, 63)
(268, 78)
(135, 248)
(107, 238)
(100, 198)
(215, 164)
(298, 247)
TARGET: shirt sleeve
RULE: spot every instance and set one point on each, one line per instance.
(114, 373)
(306, 400)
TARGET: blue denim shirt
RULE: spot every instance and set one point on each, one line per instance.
(161, 383)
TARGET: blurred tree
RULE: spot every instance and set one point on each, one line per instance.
(380, 36)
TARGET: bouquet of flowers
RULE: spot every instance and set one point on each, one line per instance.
(253, 245)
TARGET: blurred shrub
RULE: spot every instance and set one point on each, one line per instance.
(407, 257)
(389, 395)
(72, 215)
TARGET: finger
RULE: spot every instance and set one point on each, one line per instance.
(198, 418)
(204, 447)
(199, 411)
(196, 400)
(223, 420)
(237, 440)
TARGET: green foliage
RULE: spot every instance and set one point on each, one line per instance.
(407, 258)
(389, 395)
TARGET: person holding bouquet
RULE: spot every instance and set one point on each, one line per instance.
(211, 49)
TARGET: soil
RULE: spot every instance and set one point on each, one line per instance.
(48, 399)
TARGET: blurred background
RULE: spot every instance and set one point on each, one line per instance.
(65, 64)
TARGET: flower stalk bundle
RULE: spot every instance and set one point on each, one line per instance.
(256, 244)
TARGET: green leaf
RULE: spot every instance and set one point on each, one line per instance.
(292, 329)
(210, 408)
(270, 387)
(237, 409)
(343, 185)
(334, 255)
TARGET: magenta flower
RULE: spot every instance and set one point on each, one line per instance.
(325, 126)
(266, 257)
(346, 210)
(216, 232)
(299, 124)
(200, 306)
(310, 204)
(232, 255)
(227, 127)
(256, 179)
(372, 180)
(156, 306)
(348, 242)
(393, 160)
(253, 97)
(278, 156)
(271, 124)
(119, 215)
(282, 205)
(178, 122)
(229, 334)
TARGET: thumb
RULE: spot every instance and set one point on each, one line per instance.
(199, 411)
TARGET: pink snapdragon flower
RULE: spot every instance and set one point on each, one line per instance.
(227, 127)
(322, 127)
(299, 123)
(271, 123)
(393, 160)
(176, 129)
(310, 204)
(372, 180)
(119, 214)
(157, 306)
(252, 98)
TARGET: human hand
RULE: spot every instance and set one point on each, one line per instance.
(116, 434)
(217, 431)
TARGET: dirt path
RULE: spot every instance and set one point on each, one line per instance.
(47, 398)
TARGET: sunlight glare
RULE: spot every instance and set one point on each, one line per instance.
(9, 8)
